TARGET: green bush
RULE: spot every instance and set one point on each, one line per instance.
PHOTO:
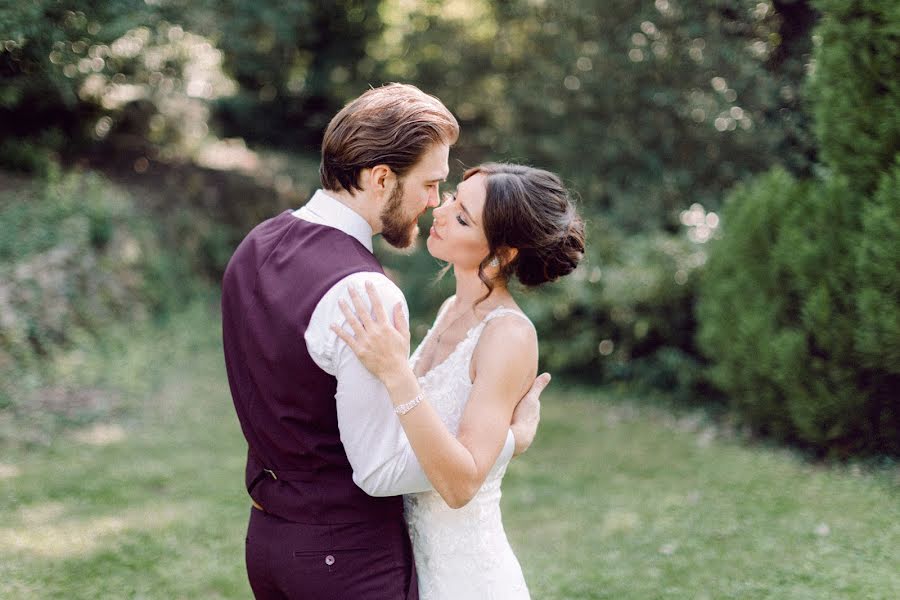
(877, 335)
(855, 87)
(778, 316)
(798, 307)
(878, 278)
(75, 256)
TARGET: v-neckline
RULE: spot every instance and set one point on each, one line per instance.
(456, 348)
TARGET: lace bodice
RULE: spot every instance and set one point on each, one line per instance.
(461, 553)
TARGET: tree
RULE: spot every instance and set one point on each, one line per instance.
(798, 306)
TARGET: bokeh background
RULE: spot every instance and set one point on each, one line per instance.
(737, 163)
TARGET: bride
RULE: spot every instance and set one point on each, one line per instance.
(455, 396)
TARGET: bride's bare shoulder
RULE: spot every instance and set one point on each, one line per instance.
(509, 342)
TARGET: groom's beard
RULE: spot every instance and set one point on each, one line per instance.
(396, 227)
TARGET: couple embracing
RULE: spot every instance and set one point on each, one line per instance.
(372, 474)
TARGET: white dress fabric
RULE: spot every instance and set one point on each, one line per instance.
(461, 554)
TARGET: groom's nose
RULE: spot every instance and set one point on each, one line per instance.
(434, 197)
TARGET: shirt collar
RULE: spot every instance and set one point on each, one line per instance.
(326, 210)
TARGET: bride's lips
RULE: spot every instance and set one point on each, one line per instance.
(435, 233)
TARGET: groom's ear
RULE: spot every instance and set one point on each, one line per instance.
(380, 179)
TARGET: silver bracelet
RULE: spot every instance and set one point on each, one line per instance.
(405, 408)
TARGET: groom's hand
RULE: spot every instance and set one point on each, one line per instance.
(527, 415)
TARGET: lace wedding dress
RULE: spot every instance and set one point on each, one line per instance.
(461, 554)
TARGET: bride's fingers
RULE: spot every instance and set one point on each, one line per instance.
(349, 339)
(357, 327)
(538, 387)
(362, 311)
(542, 381)
(399, 322)
(377, 306)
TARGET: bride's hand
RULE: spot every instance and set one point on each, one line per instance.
(382, 346)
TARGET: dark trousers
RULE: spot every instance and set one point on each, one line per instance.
(346, 561)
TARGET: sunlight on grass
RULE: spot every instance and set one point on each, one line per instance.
(620, 498)
(100, 434)
(47, 531)
(8, 471)
(616, 521)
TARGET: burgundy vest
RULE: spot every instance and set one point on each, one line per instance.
(296, 465)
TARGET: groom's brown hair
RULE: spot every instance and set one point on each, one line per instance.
(392, 125)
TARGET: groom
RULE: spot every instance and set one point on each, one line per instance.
(327, 458)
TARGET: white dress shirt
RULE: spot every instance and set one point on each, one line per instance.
(379, 452)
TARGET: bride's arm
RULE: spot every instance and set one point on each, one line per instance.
(504, 370)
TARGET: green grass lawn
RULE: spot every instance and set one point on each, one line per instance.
(617, 498)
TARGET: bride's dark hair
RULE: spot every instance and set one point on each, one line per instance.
(528, 209)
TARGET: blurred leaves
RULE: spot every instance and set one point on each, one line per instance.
(650, 112)
(296, 63)
(856, 84)
(645, 109)
(798, 307)
(74, 256)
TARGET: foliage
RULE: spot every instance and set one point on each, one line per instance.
(113, 72)
(626, 103)
(798, 308)
(878, 278)
(295, 63)
(855, 88)
(634, 297)
(75, 255)
(779, 318)
(751, 325)
(543, 83)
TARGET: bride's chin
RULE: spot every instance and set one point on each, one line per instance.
(429, 244)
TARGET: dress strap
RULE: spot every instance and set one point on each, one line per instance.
(444, 308)
(502, 310)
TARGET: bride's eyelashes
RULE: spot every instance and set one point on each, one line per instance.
(459, 218)
(450, 197)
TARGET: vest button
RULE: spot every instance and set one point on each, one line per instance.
(329, 560)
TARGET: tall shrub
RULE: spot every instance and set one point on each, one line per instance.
(877, 295)
(798, 306)
(777, 311)
(855, 88)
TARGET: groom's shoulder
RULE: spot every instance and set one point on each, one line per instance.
(384, 285)
(328, 309)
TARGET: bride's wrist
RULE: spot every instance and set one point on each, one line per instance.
(400, 384)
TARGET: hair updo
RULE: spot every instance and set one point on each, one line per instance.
(529, 209)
